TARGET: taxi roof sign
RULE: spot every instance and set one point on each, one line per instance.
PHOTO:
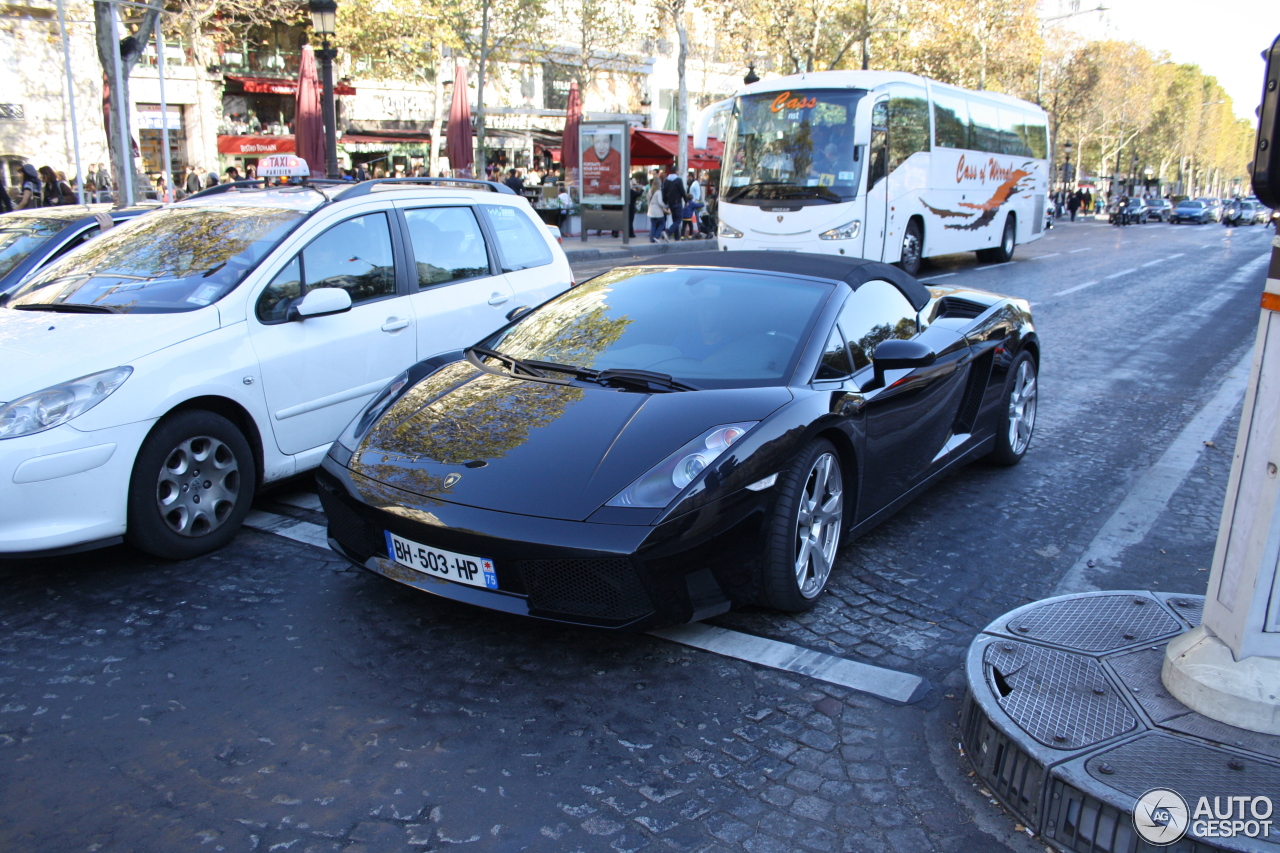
(283, 166)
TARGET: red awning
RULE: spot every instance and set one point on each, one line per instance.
(255, 145)
(276, 86)
(658, 148)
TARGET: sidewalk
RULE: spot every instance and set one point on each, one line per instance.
(604, 248)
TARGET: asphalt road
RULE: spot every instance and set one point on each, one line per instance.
(270, 698)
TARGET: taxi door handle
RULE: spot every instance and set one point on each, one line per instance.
(498, 298)
(394, 324)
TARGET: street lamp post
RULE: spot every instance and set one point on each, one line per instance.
(1066, 163)
(324, 19)
(1133, 174)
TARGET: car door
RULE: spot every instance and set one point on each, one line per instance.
(458, 295)
(317, 373)
(908, 422)
(524, 254)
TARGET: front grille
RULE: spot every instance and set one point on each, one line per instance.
(357, 537)
(596, 588)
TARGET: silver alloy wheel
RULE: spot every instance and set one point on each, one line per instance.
(910, 249)
(1022, 407)
(818, 524)
(198, 485)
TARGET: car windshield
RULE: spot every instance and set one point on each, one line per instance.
(1197, 205)
(796, 145)
(21, 234)
(172, 260)
(709, 328)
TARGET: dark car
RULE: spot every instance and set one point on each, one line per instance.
(1191, 211)
(666, 441)
(30, 239)
(1157, 209)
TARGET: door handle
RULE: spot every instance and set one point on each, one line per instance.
(394, 324)
(498, 298)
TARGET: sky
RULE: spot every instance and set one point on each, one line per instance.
(1224, 37)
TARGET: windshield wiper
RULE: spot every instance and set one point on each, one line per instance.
(68, 308)
(516, 364)
(739, 192)
(647, 380)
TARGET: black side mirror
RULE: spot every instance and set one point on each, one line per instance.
(898, 355)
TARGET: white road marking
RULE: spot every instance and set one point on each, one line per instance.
(302, 500)
(1085, 249)
(1077, 287)
(878, 681)
(1153, 263)
(1041, 257)
(1179, 255)
(941, 275)
(1118, 274)
(290, 528)
(1133, 519)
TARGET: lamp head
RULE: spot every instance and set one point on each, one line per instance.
(324, 16)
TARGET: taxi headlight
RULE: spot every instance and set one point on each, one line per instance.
(58, 404)
(844, 232)
(660, 485)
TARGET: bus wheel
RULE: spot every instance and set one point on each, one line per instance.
(1004, 252)
(912, 248)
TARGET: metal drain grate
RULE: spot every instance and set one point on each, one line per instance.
(1054, 696)
(1193, 769)
(1096, 623)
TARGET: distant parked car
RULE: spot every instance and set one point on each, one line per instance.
(1214, 206)
(1191, 211)
(1157, 209)
(30, 239)
(1261, 213)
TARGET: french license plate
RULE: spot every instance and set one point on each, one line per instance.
(460, 568)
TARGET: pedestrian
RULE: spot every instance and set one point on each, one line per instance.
(6, 203)
(515, 182)
(674, 196)
(566, 206)
(192, 181)
(30, 194)
(1073, 204)
(211, 180)
(51, 193)
(657, 210)
(635, 190)
(233, 174)
(1086, 204)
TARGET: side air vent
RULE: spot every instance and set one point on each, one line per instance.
(954, 306)
(979, 375)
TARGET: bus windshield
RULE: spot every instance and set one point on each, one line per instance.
(796, 145)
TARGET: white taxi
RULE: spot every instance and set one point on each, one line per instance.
(155, 378)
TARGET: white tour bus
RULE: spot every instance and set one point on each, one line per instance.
(880, 165)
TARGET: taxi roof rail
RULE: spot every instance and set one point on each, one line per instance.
(366, 187)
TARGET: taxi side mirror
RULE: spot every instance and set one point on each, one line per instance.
(321, 302)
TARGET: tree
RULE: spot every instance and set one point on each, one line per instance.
(400, 43)
(507, 28)
(675, 10)
(127, 51)
(591, 33)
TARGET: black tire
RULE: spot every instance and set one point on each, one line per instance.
(817, 467)
(1017, 406)
(1003, 253)
(912, 248)
(192, 485)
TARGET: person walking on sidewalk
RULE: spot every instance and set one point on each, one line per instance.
(657, 211)
(674, 197)
(1073, 204)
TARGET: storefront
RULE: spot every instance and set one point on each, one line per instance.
(152, 124)
(401, 153)
(258, 119)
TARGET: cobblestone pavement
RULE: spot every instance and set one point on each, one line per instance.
(270, 698)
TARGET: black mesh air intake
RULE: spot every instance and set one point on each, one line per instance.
(356, 536)
(596, 588)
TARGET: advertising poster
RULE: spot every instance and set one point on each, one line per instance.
(604, 175)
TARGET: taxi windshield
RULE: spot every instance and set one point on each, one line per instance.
(172, 260)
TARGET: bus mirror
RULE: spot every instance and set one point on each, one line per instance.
(1266, 157)
(857, 153)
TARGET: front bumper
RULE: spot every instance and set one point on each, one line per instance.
(63, 488)
(620, 576)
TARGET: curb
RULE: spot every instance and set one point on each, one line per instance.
(638, 250)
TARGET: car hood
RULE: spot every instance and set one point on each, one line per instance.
(486, 440)
(39, 349)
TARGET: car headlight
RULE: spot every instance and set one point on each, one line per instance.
(658, 486)
(844, 232)
(58, 404)
(727, 230)
(364, 421)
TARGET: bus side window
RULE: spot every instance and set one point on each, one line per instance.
(908, 125)
(879, 142)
